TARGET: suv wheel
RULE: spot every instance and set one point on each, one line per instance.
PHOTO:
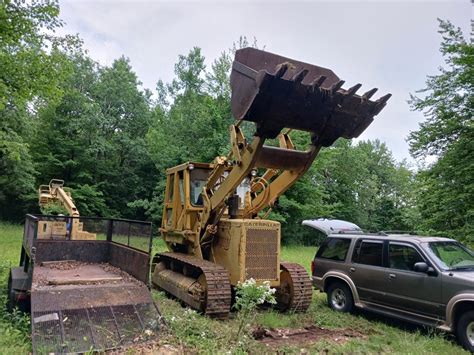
(465, 330)
(340, 297)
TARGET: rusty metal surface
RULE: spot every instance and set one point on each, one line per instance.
(94, 328)
(85, 296)
(90, 307)
(29, 232)
(278, 158)
(218, 292)
(132, 261)
(93, 251)
(78, 318)
(278, 92)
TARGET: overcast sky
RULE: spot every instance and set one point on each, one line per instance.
(388, 45)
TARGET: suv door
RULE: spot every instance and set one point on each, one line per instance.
(412, 291)
(367, 270)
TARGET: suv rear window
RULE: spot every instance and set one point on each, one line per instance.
(368, 253)
(334, 249)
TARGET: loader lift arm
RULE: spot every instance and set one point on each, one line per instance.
(311, 99)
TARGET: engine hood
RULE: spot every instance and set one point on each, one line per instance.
(463, 275)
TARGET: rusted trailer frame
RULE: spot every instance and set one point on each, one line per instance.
(85, 294)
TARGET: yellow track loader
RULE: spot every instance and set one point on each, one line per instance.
(54, 192)
(214, 215)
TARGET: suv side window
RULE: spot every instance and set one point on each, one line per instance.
(334, 249)
(368, 252)
(403, 257)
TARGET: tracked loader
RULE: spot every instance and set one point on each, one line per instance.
(73, 227)
(214, 215)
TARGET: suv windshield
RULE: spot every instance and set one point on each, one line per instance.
(452, 255)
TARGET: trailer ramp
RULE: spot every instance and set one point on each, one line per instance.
(72, 319)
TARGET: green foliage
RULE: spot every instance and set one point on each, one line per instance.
(359, 182)
(31, 59)
(14, 327)
(446, 188)
(54, 209)
(93, 138)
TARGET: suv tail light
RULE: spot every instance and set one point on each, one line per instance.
(312, 267)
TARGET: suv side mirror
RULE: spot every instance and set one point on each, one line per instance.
(423, 267)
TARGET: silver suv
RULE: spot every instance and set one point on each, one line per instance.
(424, 280)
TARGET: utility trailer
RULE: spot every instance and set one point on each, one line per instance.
(85, 295)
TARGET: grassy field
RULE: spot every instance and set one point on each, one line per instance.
(190, 332)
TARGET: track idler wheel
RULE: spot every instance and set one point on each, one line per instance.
(295, 291)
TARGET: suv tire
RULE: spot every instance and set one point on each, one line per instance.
(340, 297)
(465, 330)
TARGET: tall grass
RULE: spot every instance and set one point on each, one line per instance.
(14, 327)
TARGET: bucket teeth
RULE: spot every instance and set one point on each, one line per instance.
(277, 92)
(281, 69)
(337, 86)
(380, 103)
(318, 81)
(369, 94)
(299, 77)
(353, 89)
(383, 99)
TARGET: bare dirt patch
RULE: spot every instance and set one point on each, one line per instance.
(277, 337)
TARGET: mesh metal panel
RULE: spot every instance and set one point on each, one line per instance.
(136, 234)
(132, 234)
(261, 254)
(93, 328)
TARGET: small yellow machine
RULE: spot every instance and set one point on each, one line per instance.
(214, 215)
(54, 192)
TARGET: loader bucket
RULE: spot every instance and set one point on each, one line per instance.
(277, 92)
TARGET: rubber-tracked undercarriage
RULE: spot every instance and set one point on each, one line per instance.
(214, 216)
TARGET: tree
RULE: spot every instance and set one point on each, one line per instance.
(359, 182)
(30, 62)
(446, 188)
(94, 138)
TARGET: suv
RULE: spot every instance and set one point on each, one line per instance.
(424, 280)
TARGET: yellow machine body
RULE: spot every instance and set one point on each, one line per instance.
(55, 193)
(248, 248)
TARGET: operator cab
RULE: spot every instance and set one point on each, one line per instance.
(184, 191)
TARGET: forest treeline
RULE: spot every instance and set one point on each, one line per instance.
(63, 115)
